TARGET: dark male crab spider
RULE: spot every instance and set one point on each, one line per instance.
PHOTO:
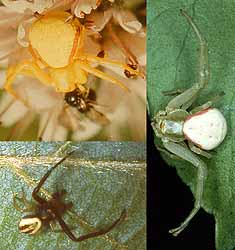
(44, 212)
(187, 133)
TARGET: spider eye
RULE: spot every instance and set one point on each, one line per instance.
(30, 225)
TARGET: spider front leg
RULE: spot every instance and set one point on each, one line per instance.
(106, 61)
(189, 156)
(86, 67)
(25, 68)
(44, 178)
(185, 99)
(103, 231)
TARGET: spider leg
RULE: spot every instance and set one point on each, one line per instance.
(185, 99)
(55, 230)
(100, 74)
(198, 151)
(208, 104)
(26, 68)
(44, 178)
(106, 61)
(67, 230)
(204, 71)
(189, 156)
(172, 156)
(15, 205)
(173, 92)
(23, 200)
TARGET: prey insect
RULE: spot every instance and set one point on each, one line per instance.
(85, 102)
(42, 212)
(188, 133)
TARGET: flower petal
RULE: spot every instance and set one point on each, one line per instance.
(127, 20)
(90, 130)
(81, 7)
(11, 111)
(100, 19)
(21, 6)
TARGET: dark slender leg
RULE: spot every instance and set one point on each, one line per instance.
(67, 230)
(44, 178)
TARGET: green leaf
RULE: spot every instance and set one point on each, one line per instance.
(101, 178)
(173, 63)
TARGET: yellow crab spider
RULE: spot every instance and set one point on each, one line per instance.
(58, 58)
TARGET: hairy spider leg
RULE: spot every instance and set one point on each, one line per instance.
(103, 231)
(189, 156)
(106, 61)
(26, 68)
(100, 74)
(44, 178)
(186, 99)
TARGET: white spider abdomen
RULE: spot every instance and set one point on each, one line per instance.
(206, 128)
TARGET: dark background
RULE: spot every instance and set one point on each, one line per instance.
(169, 202)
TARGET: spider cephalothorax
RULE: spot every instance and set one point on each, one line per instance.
(56, 44)
(43, 212)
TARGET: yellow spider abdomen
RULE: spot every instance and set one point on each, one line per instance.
(53, 39)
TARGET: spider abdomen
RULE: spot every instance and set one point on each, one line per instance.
(206, 128)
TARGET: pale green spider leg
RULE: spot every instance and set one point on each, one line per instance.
(208, 104)
(185, 99)
(186, 154)
(173, 92)
(198, 151)
(170, 155)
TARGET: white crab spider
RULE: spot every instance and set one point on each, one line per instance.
(187, 133)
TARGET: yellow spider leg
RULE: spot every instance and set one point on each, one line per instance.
(27, 68)
(100, 74)
(106, 61)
